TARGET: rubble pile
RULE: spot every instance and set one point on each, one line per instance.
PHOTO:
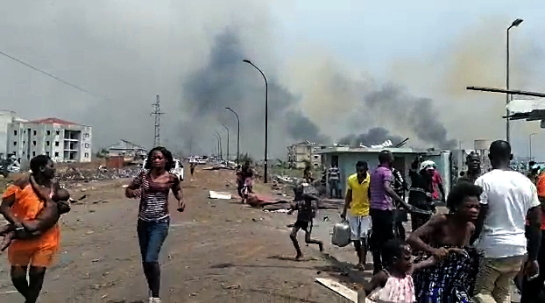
(76, 174)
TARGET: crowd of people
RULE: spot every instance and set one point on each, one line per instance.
(490, 236)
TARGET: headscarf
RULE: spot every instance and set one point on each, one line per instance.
(428, 164)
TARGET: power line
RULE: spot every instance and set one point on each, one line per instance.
(53, 76)
(157, 113)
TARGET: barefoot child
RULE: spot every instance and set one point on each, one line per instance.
(305, 204)
(394, 284)
(45, 219)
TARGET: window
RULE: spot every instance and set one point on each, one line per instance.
(86, 155)
(56, 143)
(47, 154)
(56, 154)
(33, 154)
(34, 143)
(48, 132)
(15, 132)
(86, 145)
(34, 133)
(57, 132)
(47, 143)
(14, 143)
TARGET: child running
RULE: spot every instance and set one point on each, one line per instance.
(306, 206)
(45, 219)
(394, 284)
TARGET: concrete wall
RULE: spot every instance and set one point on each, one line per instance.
(58, 141)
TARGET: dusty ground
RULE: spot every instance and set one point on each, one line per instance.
(217, 251)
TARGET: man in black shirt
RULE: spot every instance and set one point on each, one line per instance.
(420, 192)
(400, 214)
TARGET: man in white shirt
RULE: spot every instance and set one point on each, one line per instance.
(509, 199)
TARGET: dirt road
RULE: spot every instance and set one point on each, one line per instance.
(217, 251)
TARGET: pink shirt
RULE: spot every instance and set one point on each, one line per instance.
(436, 180)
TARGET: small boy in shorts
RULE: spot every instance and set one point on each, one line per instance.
(46, 218)
(306, 206)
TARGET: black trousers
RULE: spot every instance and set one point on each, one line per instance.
(532, 289)
(383, 230)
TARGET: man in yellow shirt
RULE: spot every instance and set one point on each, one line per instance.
(356, 210)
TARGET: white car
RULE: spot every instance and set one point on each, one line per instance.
(178, 169)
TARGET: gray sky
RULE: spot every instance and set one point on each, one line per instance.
(324, 60)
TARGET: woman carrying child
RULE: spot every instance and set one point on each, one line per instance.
(23, 202)
(446, 237)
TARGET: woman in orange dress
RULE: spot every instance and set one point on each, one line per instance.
(22, 202)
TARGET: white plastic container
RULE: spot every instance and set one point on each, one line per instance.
(341, 234)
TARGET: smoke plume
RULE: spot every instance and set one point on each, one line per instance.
(191, 55)
(226, 81)
(414, 113)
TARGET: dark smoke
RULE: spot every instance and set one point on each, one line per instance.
(301, 128)
(227, 81)
(414, 113)
(374, 136)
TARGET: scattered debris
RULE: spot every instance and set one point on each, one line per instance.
(283, 210)
(219, 195)
(337, 287)
(101, 173)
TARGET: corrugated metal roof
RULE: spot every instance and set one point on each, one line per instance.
(531, 110)
(125, 145)
(346, 149)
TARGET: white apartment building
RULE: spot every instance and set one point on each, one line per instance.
(61, 140)
(6, 117)
(301, 153)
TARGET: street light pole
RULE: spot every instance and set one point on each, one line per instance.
(238, 133)
(530, 145)
(217, 149)
(515, 23)
(227, 157)
(266, 117)
(219, 145)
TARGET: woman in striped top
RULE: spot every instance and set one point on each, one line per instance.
(152, 187)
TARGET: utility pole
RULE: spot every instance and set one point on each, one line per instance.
(157, 113)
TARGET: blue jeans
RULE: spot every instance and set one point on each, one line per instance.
(151, 236)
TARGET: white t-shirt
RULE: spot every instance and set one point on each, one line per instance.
(509, 195)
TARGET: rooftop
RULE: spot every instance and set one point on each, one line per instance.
(53, 121)
(346, 149)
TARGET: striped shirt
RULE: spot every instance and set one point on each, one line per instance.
(334, 173)
(379, 197)
(154, 197)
